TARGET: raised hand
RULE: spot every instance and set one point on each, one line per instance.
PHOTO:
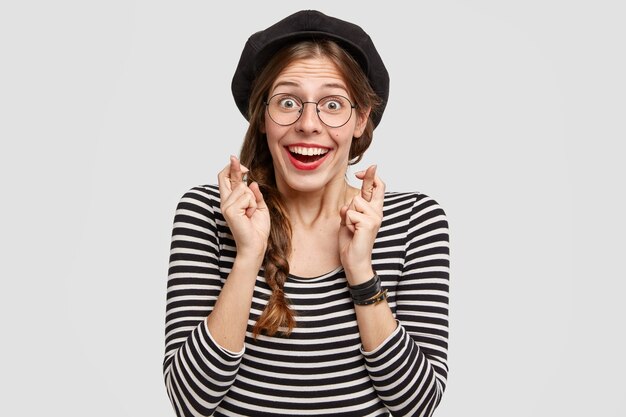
(360, 221)
(244, 210)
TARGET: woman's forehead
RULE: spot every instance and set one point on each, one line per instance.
(317, 73)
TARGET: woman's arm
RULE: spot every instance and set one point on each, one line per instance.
(197, 370)
(406, 359)
(409, 369)
(247, 216)
(361, 221)
(207, 316)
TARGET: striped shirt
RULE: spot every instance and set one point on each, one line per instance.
(321, 368)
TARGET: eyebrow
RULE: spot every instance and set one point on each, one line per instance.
(327, 85)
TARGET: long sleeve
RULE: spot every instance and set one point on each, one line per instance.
(409, 369)
(197, 372)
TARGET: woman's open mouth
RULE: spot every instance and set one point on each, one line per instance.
(306, 157)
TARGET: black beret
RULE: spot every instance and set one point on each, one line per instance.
(303, 25)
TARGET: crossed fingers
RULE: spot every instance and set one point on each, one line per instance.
(230, 181)
(231, 176)
(367, 206)
(372, 188)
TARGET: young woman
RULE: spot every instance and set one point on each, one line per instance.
(291, 292)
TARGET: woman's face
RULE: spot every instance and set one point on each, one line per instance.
(290, 146)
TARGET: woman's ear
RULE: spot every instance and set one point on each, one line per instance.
(361, 122)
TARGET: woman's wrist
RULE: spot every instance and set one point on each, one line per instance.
(249, 260)
(369, 292)
(360, 275)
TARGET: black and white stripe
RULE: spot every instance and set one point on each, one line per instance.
(320, 369)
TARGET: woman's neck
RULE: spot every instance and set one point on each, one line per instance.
(306, 209)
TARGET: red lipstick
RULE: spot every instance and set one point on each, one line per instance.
(306, 162)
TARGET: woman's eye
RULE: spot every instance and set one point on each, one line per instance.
(288, 103)
(332, 105)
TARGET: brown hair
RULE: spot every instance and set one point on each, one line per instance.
(256, 156)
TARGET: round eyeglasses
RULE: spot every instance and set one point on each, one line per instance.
(285, 109)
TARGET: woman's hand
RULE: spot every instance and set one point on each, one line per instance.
(360, 221)
(244, 209)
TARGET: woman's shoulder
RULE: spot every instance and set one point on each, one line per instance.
(205, 197)
(414, 204)
(203, 191)
(414, 198)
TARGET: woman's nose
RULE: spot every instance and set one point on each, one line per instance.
(309, 119)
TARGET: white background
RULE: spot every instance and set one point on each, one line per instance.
(508, 113)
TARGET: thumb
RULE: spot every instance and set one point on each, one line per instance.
(346, 221)
(342, 214)
(258, 196)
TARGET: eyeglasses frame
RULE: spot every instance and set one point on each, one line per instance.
(317, 110)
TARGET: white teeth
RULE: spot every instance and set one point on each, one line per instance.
(307, 151)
